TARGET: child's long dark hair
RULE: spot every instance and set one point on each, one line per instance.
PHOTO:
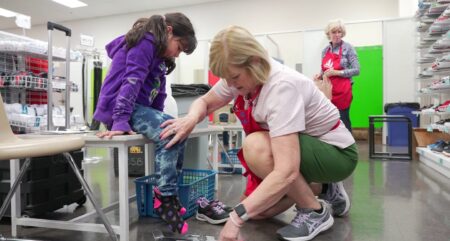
(157, 25)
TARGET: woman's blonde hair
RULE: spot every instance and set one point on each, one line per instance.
(236, 46)
(335, 25)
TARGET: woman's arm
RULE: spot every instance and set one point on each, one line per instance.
(353, 64)
(284, 204)
(205, 105)
(199, 109)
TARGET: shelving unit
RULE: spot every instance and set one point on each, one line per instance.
(433, 76)
(24, 82)
(437, 161)
(25, 87)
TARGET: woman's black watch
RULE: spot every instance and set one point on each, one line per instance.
(241, 212)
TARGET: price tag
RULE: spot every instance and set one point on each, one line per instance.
(86, 40)
(23, 21)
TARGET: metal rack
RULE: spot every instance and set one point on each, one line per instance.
(428, 37)
(24, 80)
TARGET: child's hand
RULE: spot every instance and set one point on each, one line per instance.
(110, 134)
(179, 128)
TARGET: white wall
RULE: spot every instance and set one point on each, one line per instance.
(285, 20)
(259, 16)
(399, 61)
(407, 8)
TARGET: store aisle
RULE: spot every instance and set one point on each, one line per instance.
(391, 200)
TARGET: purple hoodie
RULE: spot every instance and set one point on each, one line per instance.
(135, 76)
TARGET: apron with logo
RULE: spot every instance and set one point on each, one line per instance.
(243, 112)
(341, 95)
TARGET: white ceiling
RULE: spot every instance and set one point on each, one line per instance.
(42, 11)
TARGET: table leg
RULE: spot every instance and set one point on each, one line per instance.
(124, 212)
(149, 158)
(215, 157)
(15, 201)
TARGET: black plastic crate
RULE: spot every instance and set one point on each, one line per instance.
(136, 161)
(48, 184)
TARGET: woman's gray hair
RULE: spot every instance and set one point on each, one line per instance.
(336, 24)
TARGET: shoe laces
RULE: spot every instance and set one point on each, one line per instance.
(301, 217)
(218, 209)
(202, 202)
(334, 194)
(218, 203)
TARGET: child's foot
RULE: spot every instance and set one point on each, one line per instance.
(170, 210)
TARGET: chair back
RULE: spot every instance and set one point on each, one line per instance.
(6, 134)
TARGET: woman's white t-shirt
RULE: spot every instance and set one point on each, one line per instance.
(289, 103)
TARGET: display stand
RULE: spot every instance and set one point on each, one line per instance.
(389, 155)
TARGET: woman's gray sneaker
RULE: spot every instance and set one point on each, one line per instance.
(338, 198)
(307, 224)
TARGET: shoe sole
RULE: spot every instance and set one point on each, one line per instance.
(204, 218)
(323, 227)
(346, 198)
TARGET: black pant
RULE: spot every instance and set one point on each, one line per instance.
(345, 117)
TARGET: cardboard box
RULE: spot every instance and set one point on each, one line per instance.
(423, 137)
(223, 115)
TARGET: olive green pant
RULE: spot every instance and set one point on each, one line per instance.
(324, 163)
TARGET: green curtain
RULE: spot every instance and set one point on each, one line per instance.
(368, 86)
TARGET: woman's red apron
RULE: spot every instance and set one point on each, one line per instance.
(249, 125)
(342, 87)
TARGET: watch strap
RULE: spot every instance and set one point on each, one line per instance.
(241, 212)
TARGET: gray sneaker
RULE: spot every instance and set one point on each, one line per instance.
(338, 198)
(307, 224)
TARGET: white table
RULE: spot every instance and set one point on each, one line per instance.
(122, 143)
(232, 127)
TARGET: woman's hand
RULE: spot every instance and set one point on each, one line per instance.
(230, 232)
(317, 77)
(180, 128)
(110, 134)
(332, 72)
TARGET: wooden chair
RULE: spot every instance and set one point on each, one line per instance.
(15, 147)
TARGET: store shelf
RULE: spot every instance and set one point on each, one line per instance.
(33, 83)
(436, 161)
(429, 113)
(21, 45)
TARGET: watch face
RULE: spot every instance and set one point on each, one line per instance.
(240, 210)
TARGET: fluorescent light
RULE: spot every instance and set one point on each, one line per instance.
(71, 3)
(6, 13)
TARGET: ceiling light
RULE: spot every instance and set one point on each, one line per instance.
(71, 3)
(6, 13)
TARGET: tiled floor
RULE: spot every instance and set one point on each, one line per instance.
(391, 200)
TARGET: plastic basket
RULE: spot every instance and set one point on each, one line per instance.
(232, 153)
(233, 159)
(192, 184)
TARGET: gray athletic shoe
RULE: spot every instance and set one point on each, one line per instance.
(338, 198)
(307, 224)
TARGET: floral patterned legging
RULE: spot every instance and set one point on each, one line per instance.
(168, 162)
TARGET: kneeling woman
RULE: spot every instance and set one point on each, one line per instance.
(294, 137)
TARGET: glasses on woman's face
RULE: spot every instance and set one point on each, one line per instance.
(336, 32)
